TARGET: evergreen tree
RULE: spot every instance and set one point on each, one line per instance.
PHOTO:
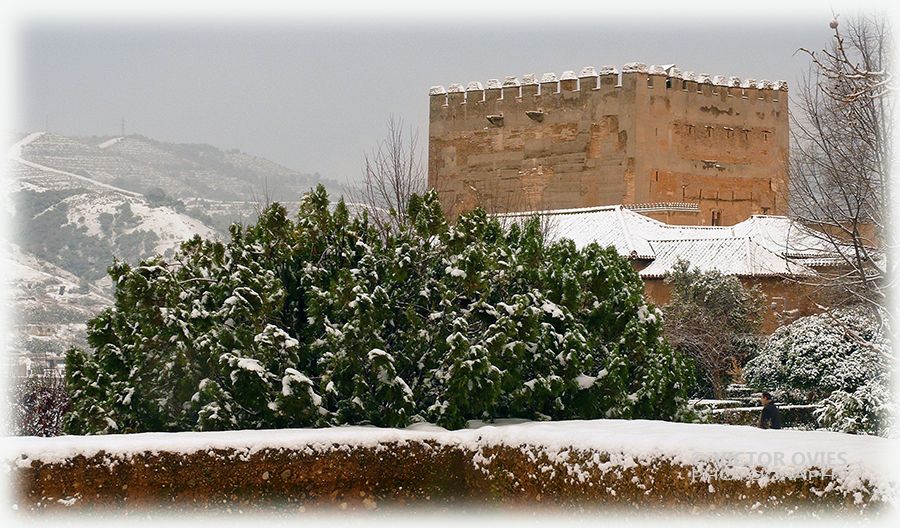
(322, 320)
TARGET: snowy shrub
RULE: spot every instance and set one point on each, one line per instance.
(39, 404)
(714, 320)
(322, 320)
(838, 360)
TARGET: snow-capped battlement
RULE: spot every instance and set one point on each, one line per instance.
(588, 78)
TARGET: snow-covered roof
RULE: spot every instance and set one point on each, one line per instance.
(612, 225)
(731, 256)
(762, 245)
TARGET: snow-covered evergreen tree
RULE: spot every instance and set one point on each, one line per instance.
(322, 320)
(839, 360)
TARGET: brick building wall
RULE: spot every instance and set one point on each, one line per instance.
(645, 136)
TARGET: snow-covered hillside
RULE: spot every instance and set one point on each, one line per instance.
(77, 203)
(50, 308)
(68, 226)
(138, 164)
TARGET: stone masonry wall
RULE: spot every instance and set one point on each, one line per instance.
(785, 300)
(642, 136)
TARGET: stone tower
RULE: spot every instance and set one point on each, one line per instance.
(679, 147)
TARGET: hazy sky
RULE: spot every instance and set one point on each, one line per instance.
(314, 97)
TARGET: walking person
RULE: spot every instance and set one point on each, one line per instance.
(770, 418)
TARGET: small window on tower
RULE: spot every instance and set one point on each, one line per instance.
(716, 218)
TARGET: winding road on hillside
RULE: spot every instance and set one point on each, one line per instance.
(15, 154)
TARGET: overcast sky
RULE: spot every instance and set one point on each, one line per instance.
(315, 96)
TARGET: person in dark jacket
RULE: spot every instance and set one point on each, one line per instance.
(769, 418)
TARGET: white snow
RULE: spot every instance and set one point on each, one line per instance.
(377, 352)
(455, 272)
(723, 450)
(110, 142)
(15, 154)
(553, 310)
(250, 364)
(585, 382)
(609, 70)
(634, 67)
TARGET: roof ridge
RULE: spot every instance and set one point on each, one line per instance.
(576, 210)
(749, 251)
(735, 238)
(624, 225)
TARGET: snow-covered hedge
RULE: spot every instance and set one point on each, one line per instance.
(322, 320)
(839, 360)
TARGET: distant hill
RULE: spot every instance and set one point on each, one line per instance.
(78, 203)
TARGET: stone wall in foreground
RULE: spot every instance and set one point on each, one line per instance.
(413, 473)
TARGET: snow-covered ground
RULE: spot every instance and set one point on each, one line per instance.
(15, 154)
(854, 463)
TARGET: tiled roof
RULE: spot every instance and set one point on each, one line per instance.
(731, 256)
(613, 225)
(762, 245)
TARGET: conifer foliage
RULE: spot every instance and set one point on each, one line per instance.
(322, 320)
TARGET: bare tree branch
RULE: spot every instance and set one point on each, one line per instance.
(392, 173)
(841, 144)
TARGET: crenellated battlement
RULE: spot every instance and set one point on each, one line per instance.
(639, 134)
(632, 76)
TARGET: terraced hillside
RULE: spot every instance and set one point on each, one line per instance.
(76, 204)
(202, 171)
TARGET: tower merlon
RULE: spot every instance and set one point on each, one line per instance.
(456, 94)
(511, 88)
(474, 92)
(529, 87)
(549, 84)
(568, 82)
(587, 79)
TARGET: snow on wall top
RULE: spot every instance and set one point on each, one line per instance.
(669, 70)
(857, 462)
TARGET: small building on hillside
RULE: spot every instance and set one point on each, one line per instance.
(772, 252)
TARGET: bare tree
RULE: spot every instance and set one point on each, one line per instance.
(841, 139)
(392, 173)
(713, 319)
